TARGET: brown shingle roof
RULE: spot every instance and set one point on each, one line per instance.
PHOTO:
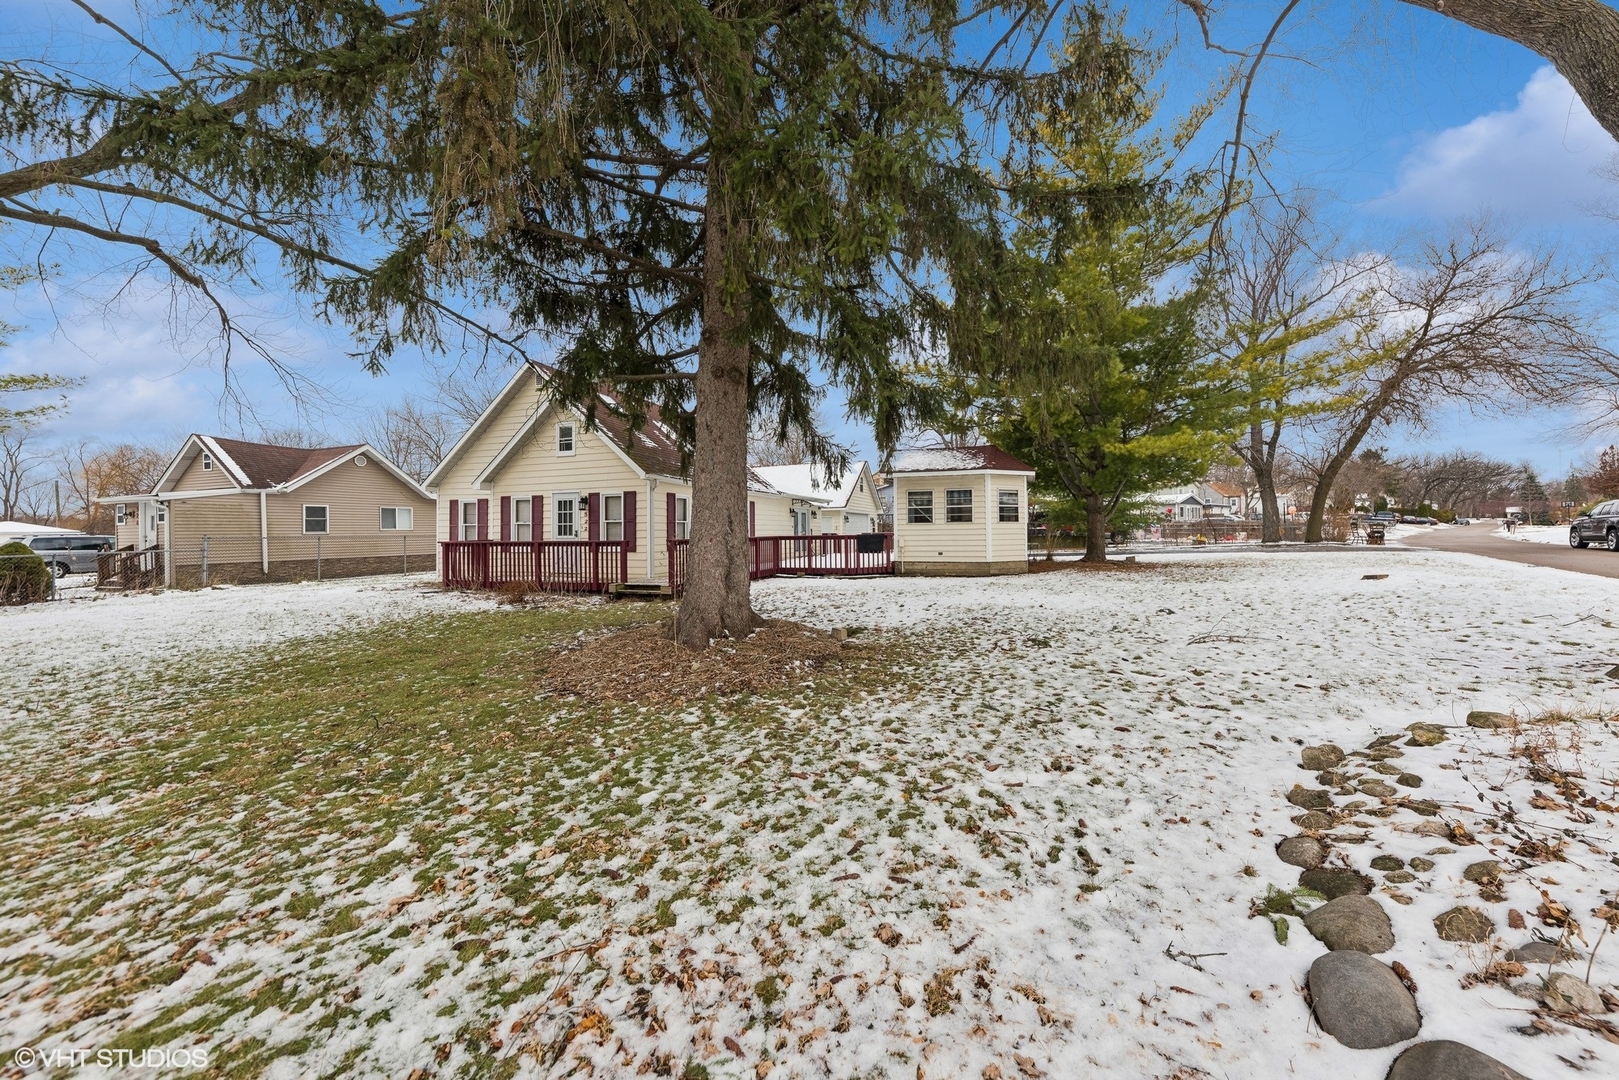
(266, 465)
(956, 459)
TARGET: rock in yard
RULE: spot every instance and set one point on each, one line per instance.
(1408, 779)
(1541, 952)
(1484, 870)
(1325, 756)
(1335, 883)
(1354, 922)
(1463, 924)
(1378, 790)
(1383, 753)
(1425, 735)
(1386, 769)
(1361, 1002)
(1446, 1060)
(1303, 851)
(1428, 808)
(1388, 862)
(1421, 865)
(1491, 721)
(1313, 820)
(1571, 994)
(1332, 778)
(1310, 798)
(1399, 877)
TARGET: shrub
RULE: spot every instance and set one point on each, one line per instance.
(24, 577)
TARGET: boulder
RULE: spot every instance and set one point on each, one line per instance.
(1361, 1002)
(1425, 735)
(1325, 756)
(1483, 870)
(1377, 789)
(1399, 877)
(1571, 994)
(1352, 923)
(1383, 753)
(1302, 851)
(1313, 821)
(1408, 779)
(1310, 798)
(1490, 721)
(1541, 952)
(1334, 883)
(1446, 1060)
(1386, 769)
(1388, 862)
(1332, 778)
(1421, 865)
(1463, 924)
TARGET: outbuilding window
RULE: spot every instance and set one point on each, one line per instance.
(958, 505)
(315, 519)
(397, 519)
(919, 507)
(1009, 505)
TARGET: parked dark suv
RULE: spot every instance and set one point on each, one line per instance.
(1599, 526)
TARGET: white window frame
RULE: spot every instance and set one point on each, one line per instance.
(325, 515)
(572, 444)
(682, 518)
(1008, 500)
(468, 524)
(919, 507)
(162, 513)
(952, 509)
(207, 462)
(612, 517)
(572, 499)
(523, 520)
(410, 516)
(120, 514)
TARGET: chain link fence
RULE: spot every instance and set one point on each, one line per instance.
(251, 560)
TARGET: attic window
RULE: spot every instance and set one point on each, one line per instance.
(207, 462)
(360, 461)
(564, 438)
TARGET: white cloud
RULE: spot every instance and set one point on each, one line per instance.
(1537, 161)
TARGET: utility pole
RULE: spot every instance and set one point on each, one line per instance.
(58, 504)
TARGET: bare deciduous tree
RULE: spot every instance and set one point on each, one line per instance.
(88, 474)
(1472, 321)
(413, 435)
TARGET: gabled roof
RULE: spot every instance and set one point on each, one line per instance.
(1230, 491)
(806, 481)
(252, 466)
(934, 459)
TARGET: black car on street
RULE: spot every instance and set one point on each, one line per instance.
(1600, 525)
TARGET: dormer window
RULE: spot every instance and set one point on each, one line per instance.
(207, 462)
(565, 438)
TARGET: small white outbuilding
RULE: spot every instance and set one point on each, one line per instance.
(960, 510)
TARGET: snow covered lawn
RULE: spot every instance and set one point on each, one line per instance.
(1537, 534)
(334, 830)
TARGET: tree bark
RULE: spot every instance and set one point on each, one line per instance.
(1579, 37)
(1095, 530)
(717, 601)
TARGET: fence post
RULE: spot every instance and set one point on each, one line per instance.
(205, 562)
(317, 556)
(404, 553)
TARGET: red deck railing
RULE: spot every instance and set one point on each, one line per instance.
(772, 556)
(548, 565)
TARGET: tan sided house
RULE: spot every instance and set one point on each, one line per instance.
(226, 510)
(534, 494)
(960, 510)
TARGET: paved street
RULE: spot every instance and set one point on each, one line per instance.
(1480, 539)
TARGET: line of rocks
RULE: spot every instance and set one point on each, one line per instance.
(1356, 998)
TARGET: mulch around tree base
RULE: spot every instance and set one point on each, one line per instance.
(644, 664)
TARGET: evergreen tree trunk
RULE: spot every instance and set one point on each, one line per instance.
(717, 601)
(1095, 530)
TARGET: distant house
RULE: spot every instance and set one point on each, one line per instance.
(845, 504)
(960, 511)
(1196, 501)
(255, 511)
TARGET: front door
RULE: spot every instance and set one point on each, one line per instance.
(148, 525)
(801, 526)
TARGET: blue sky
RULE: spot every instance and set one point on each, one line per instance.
(1398, 118)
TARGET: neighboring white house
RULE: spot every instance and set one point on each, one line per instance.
(960, 510)
(842, 505)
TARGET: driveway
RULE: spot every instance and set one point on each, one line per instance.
(1480, 539)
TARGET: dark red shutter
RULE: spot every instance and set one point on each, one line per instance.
(753, 518)
(483, 519)
(669, 516)
(536, 516)
(629, 521)
(455, 519)
(505, 518)
(593, 516)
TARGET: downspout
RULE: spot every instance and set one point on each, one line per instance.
(264, 533)
(166, 538)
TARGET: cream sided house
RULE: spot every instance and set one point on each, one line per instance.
(230, 510)
(821, 504)
(960, 511)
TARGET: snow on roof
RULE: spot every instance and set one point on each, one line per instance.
(956, 459)
(24, 528)
(807, 481)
